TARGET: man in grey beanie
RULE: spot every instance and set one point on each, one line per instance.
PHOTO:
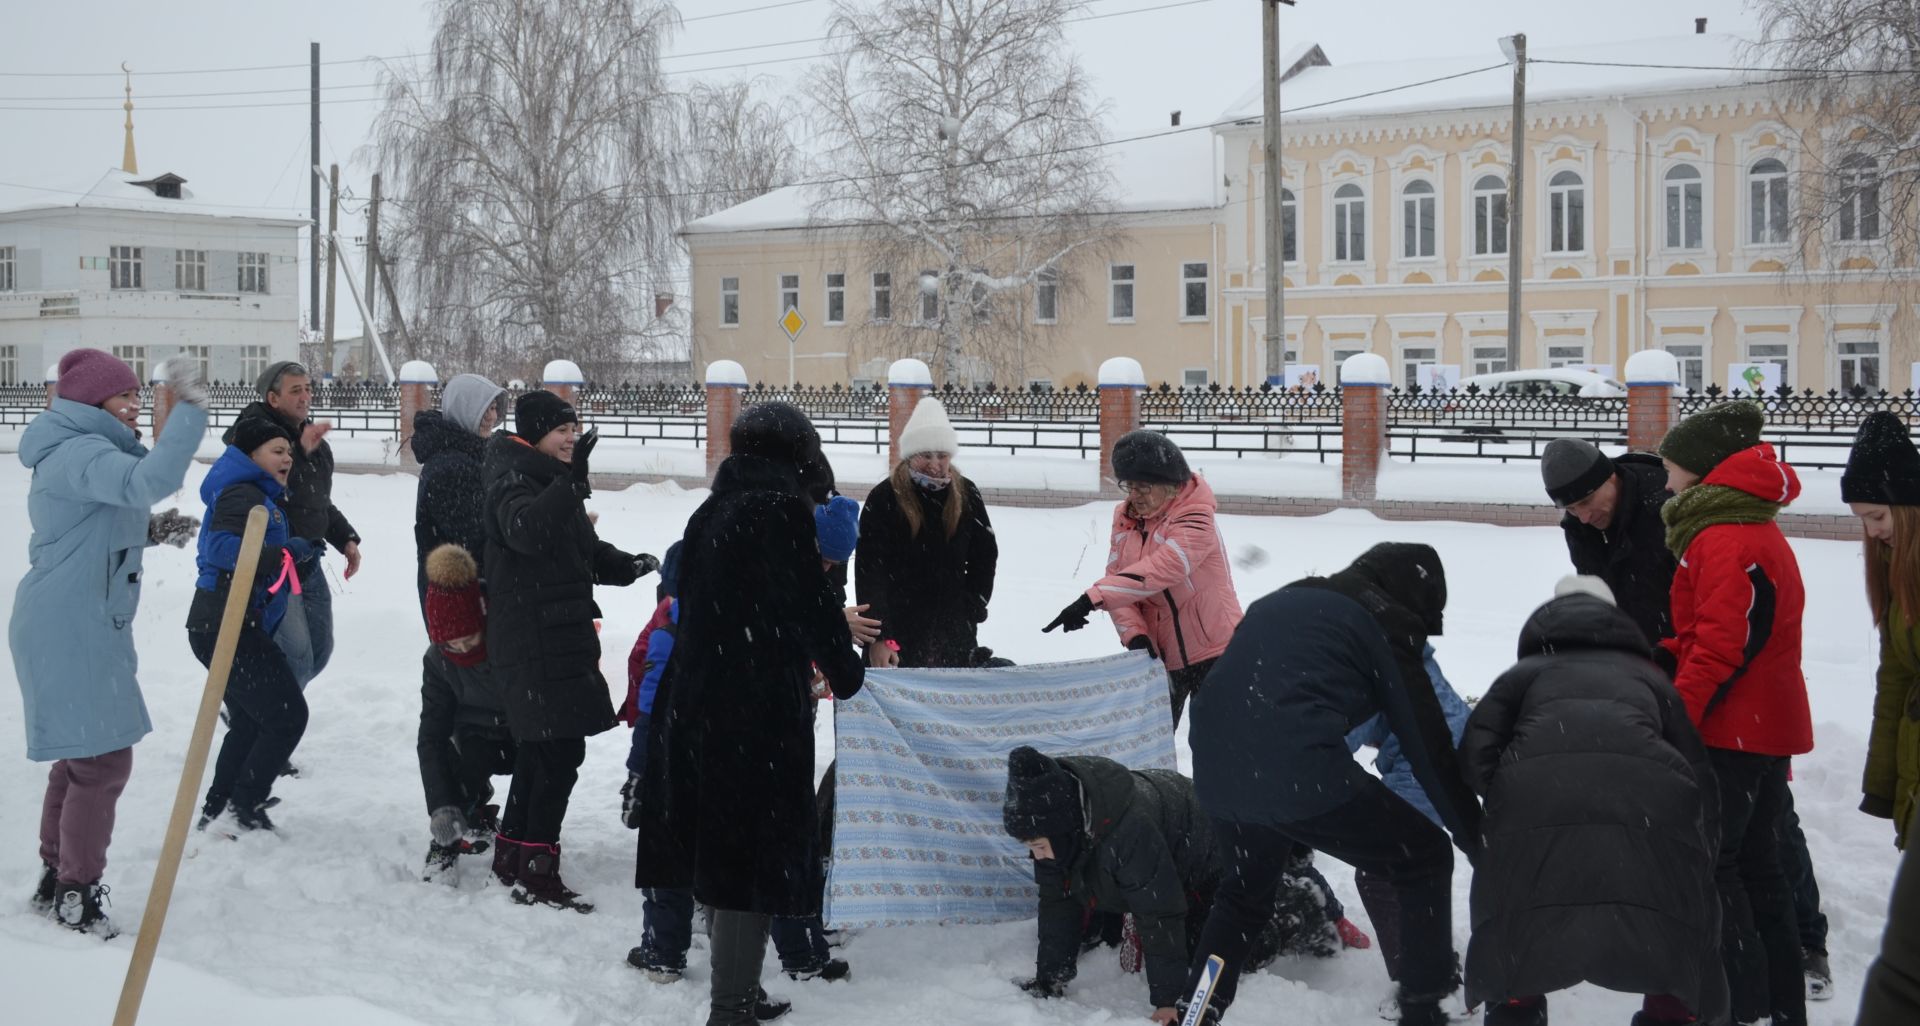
(1613, 525)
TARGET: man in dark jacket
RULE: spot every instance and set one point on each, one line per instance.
(286, 395)
(543, 560)
(727, 799)
(1613, 526)
(1601, 827)
(1270, 763)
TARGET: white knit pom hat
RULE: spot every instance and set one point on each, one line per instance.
(928, 430)
(1584, 584)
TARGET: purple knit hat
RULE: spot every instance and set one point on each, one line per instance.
(92, 377)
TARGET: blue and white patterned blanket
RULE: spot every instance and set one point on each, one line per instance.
(922, 771)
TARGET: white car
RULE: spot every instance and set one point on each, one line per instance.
(1565, 382)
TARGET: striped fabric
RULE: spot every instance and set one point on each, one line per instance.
(922, 768)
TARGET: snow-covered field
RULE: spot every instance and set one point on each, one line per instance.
(329, 923)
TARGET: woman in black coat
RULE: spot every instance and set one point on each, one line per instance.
(1600, 825)
(927, 554)
(543, 559)
(727, 798)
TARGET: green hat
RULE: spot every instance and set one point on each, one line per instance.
(1701, 441)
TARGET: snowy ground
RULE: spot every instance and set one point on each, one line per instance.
(329, 924)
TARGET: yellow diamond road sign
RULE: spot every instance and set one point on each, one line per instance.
(793, 324)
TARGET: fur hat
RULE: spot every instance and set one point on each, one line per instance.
(1584, 584)
(838, 525)
(92, 377)
(1149, 457)
(1884, 466)
(455, 608)
(255, 430)
(1043, 799)
(538, 412)
(467, 398)
(1572, 469)
(928, 430)
(1703, 440)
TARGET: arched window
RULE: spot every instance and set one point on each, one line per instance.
(1859, 199)
(1349, 223)
(1767, 202)
(1566, 213)
(1489, 215)
(1289, 233)
(1685, 207)
(1417, 219)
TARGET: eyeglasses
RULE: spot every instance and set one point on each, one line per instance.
(1137, 489)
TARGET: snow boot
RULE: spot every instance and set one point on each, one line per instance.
(289, 770)
(507, 856)
(767, 1009)
(210, 811)
(655, 966)
(77, 906)
(1819, 974)
(829, 969)
(44, 893)
(539, 880)
(255, 818)
(1209, 1017)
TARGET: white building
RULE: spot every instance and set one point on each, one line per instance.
(143, 268)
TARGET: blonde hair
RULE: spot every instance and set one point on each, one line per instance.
(1893, 571)
(911, 505)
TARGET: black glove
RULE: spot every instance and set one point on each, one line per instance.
(644, 564)
(1142, 643)
(582, 450)
(1073, 617)
(630, 801)
(1041, 987)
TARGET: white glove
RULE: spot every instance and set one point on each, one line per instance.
(184, 380)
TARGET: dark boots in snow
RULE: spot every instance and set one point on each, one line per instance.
(44, 893)
(77, 906)
(828, 969)
(507, 855)
(1519, 1012)
(655, 966)
(539, 882)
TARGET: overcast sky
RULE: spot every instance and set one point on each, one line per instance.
(1196, 57)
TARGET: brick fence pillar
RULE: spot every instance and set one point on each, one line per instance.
(417, 378)
(163, 401)
(563, 378)
(1364, 381)
(1122, 383)
(1651, 377)
(908, 382)
(53, 383)
(725, 381)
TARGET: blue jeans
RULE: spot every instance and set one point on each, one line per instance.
(307, 640)
(666, 917)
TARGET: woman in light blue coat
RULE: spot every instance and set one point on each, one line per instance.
(90, 505)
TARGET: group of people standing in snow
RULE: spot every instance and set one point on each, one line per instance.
(1621, 791)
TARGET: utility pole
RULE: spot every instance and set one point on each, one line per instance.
(373, 269)
(333, 258)
(1516, 48)
(313, 247)
(393, 305)
(1276, 253)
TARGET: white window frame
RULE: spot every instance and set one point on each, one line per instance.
(1426, 167)
(730, 290)
(1485, 240)
(1349, 204)
(1046, 294)
(1564, 201)
(1774, 203)
(1411, 213)
(251, 275)
(134, 357)
(1749, 322)
(1409, 364)
(1569, 328)
(1290, 172)
(9, 271)
(1696, 365)
(10, 365)
(1573, 352)
(126, 268)
(203, 355)
(1854, 207)
(786, 293)
(1849, 340)
(834, 293)
(1673, 194)
(1187, 281)
(1486, 357)
(1843, 328)
(1289, 228)
(928, 306)
(1337, 353)
(1115, 284)
(253, 361)
(190, 270)
(880, 285)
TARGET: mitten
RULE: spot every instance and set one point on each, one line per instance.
(448, 826)
(172, 528)
(1142, 643)
(184, 381)
(1073, 617)
(644, 564)
(582, 450)
(630, 802)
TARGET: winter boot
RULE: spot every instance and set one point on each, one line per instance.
(767, 1009)
(255, 818)
(1210, 1017)
(1819, 974)
(507, 856)
(539, 881)
(44, 893)
(1518, 1012)
(655, 966)
(77, 906)
(210, 811)
(483, 823)
(290, 770)
(828, 969)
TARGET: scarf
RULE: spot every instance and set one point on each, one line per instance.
(932, 484)
(1704, 506)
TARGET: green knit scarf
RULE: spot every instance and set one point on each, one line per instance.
(1703, 506)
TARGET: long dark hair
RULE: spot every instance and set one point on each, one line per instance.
(1893, 571)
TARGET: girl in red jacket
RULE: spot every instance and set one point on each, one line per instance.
(1737, 602)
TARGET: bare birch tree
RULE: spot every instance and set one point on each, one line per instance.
(962, 137)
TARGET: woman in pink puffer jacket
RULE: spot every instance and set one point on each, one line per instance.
(1168, 587)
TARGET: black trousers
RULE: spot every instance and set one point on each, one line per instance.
(1182, 683)
(1377, 832)
(1759, 940)
(1797, 863)
(544, 773)
(1382, 903)
(266, 717)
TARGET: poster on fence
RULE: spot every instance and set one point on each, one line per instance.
(1301, 377)
(921, 771)
(1753, 378)
(1438, 377)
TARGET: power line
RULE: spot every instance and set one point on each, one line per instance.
(1822, 72)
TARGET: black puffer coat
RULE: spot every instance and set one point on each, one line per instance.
(447, 506)
(311, 513)
(543, 559)
(1600, 821)
(929, 592)
(727, 803)
(1631, 555)
(1147, 851)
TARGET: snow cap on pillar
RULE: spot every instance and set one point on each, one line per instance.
(562, 372)
(1365, 369)
(909, 374)
(726, 374)
(53, 373)
(418, 372)
(1653, 367)
(1122, 372)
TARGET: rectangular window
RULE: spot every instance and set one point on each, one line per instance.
(9, 278)
(1686, 210)
(1193, 291)
(1193, 377)
(1567, 220)
(882, 296)
(190, 270)
(1860, 365)
(253, 362)
(123, 267)
(1692, 358)
(1489, 357)
(253, 272)
(929, 282)
(1289, 235)
(1046, 297)
(202, 355)
(789, 292)
(9, 365)
(730, 301)
(1417, 221)
(1490, 222)
(1349, 225)
(1120, 292)
(135, 357)
(836, 297)
(1572, 354)
(1337, 356)
(1410, 360)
